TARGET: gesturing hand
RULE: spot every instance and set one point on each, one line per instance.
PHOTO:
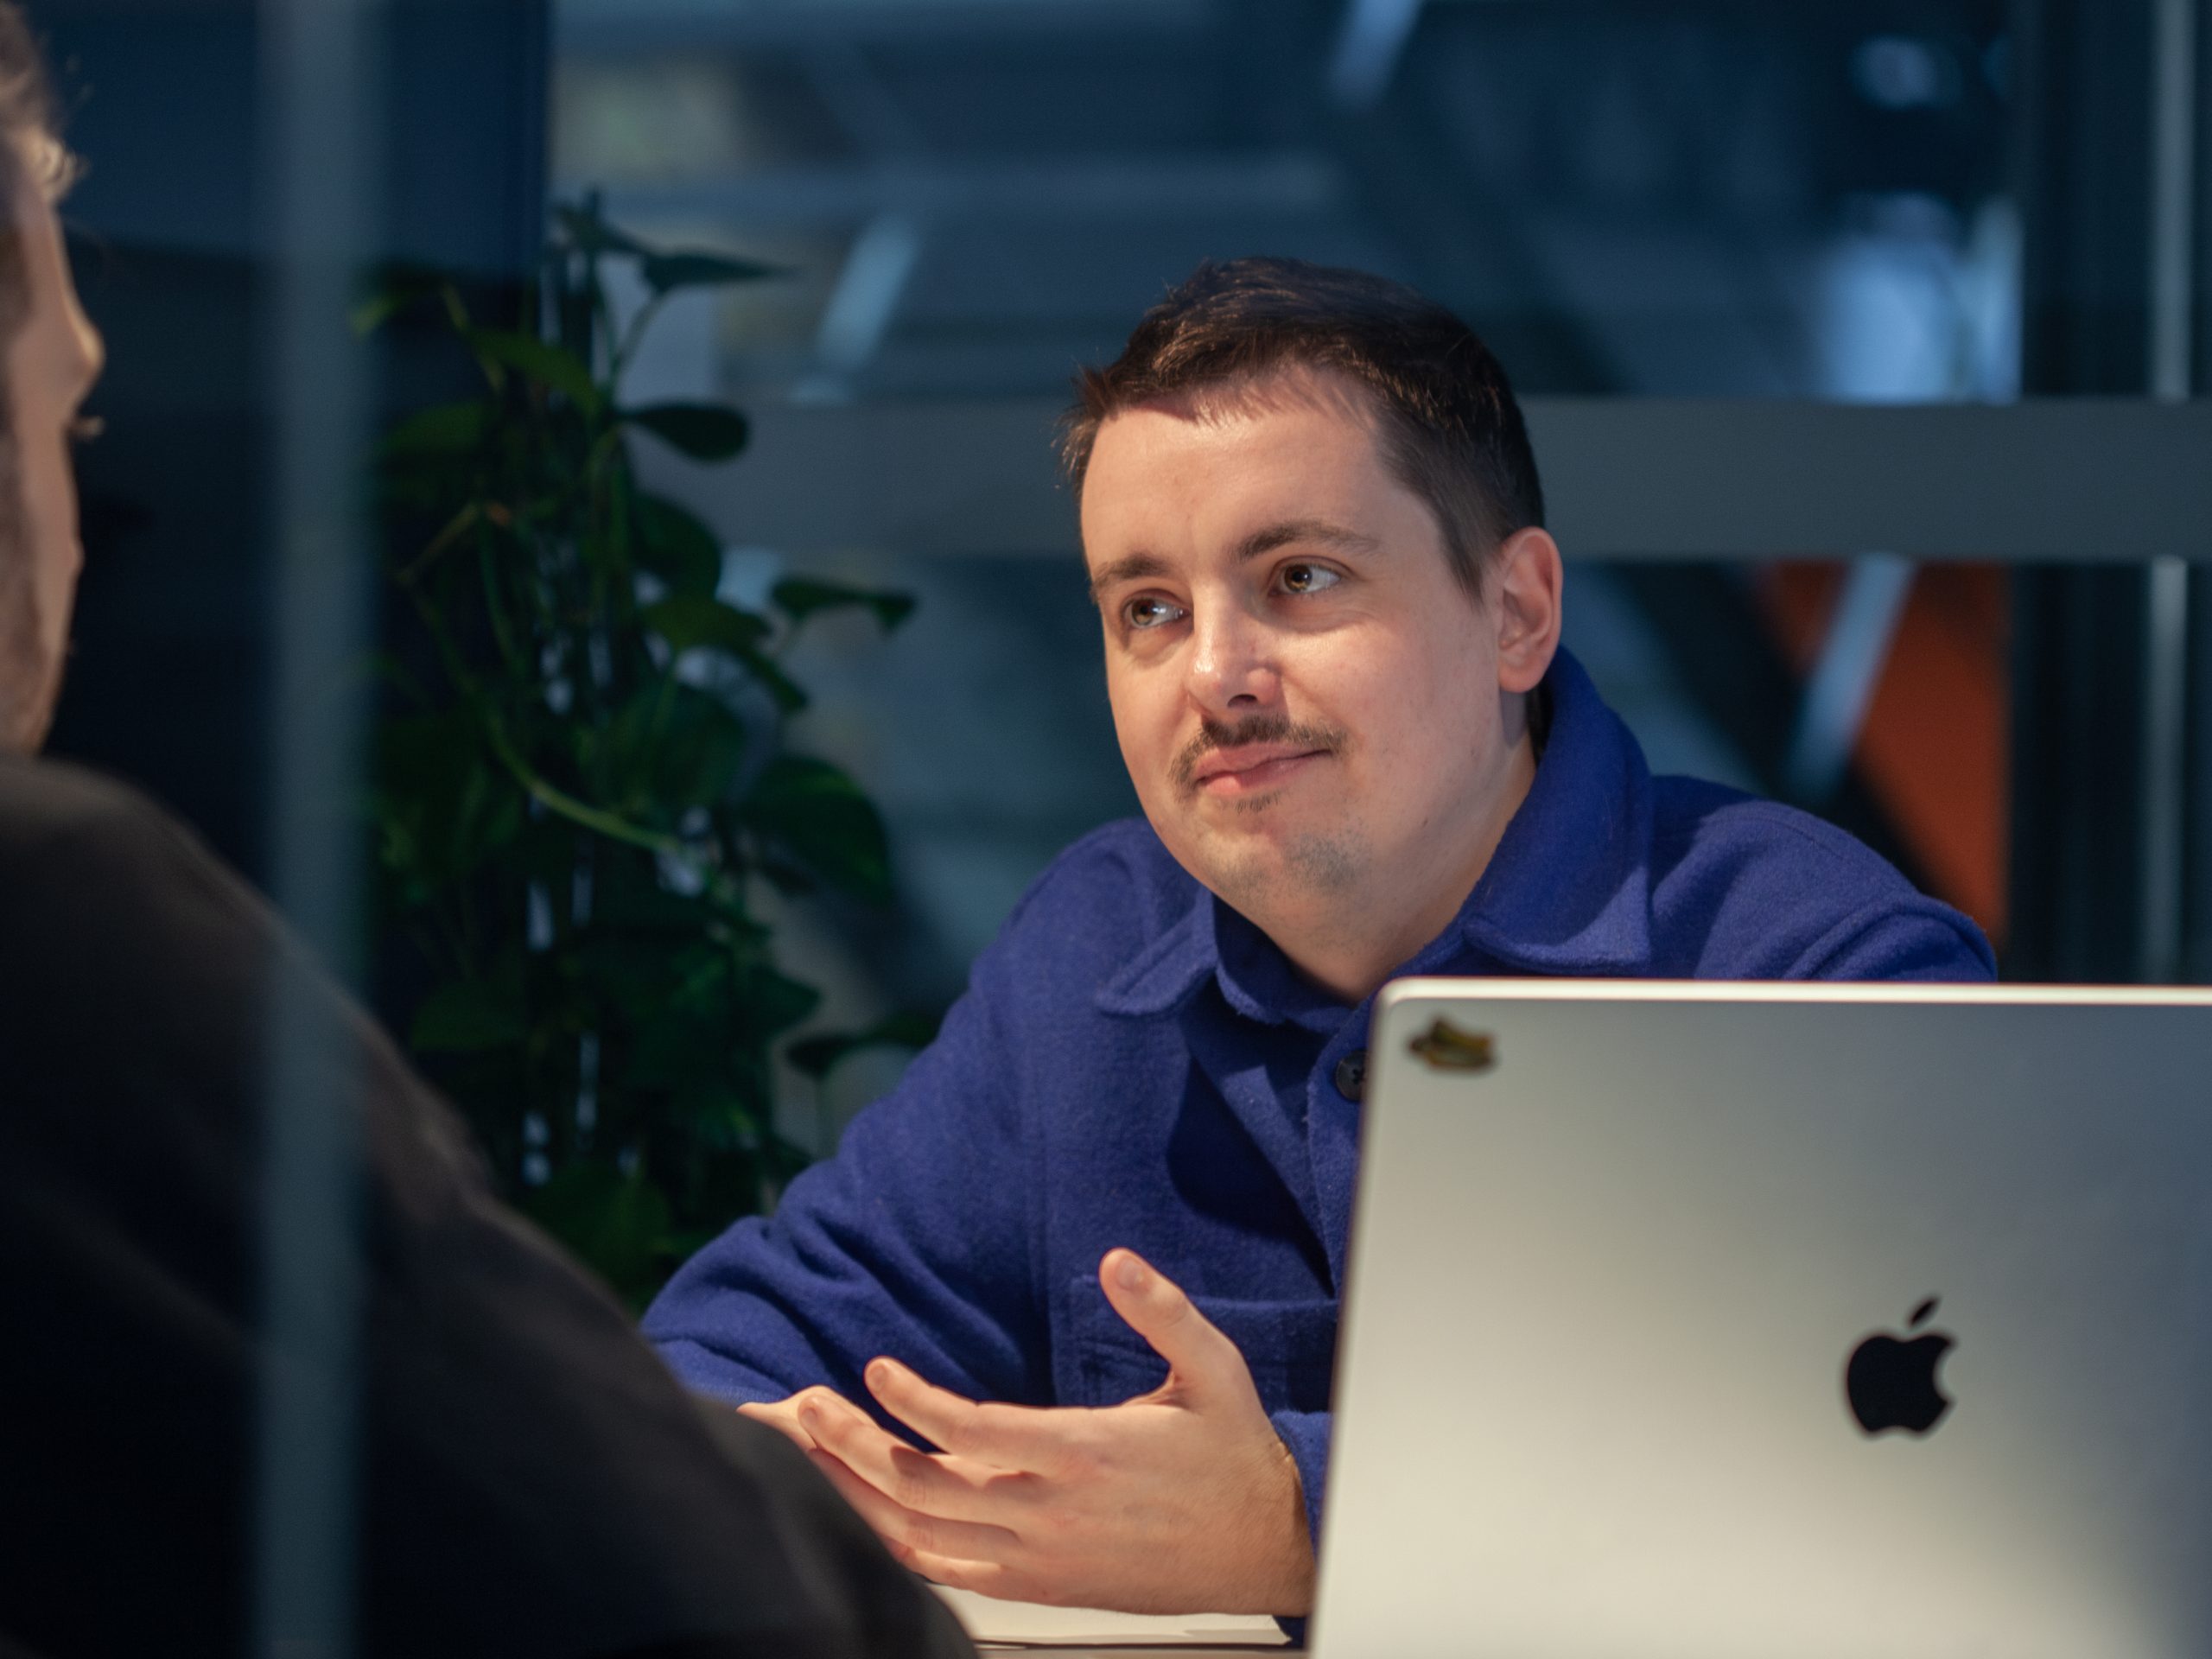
(1183, 1500)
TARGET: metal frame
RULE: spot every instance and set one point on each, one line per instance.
(323, 65)
(2075, 481)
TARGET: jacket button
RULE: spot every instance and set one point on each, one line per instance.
(1351, 1074)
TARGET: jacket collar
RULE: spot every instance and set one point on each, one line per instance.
(1567, 892)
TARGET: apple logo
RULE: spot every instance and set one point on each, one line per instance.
(1890, 1380)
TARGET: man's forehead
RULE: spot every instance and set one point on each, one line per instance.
(1327, 418)
(1143, 450)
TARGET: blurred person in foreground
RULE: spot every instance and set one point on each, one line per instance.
(1059, 1316)
(532, 1482)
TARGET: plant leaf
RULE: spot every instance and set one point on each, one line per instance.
(678, 1043)
(619, 1224)
(590, 233)
(550, 365)
(378, 309)
(677, 547)
(395, 287)
(818, 1056)
(465, 1016)
(787, 694)
(688, 1004)
(628, 895)
(442, 429)
(800, 597)
(823, 820)
(690, 620)
(689, 268)
(726, 1117)
(669, 747)
(702, 431)
(628, 976)
(702, 753)
(442, 808)
(770, 1004)
(787, 878)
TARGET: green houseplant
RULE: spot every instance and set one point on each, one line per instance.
(583, 777)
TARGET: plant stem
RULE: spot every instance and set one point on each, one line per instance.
(454, 527)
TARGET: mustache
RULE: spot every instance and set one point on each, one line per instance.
(1258, 728)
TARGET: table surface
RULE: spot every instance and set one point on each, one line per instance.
(1071, 1632)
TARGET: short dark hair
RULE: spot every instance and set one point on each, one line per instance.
(1448, 425)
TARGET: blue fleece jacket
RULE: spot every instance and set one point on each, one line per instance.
(1135, 1064)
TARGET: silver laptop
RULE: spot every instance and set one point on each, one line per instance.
(1779, 1323)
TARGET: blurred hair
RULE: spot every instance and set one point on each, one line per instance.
(1446, 422)
(31, 158)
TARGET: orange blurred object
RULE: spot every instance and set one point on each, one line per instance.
(1936, 747)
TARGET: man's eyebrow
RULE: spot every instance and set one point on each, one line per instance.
(1134, 568)
(1293, 530)
(1265, 540)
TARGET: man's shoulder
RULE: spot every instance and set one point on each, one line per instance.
(63, 821)
(59, 820)
(1104, 898)
(88, 866)
(1756, 889)
(1121, 868)
(1694, 822)
(38, 794)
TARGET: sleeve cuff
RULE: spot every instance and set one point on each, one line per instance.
(1306, 1435)
(705, 1372)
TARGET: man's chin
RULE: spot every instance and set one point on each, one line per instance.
(1255, 869)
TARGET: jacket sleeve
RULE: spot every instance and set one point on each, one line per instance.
(1305, 1434)
(1762, 891)
(1921, 940)
(913, 1241)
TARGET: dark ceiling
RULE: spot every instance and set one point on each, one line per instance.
(1634, 196)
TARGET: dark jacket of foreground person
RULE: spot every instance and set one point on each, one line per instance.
(532, 1482)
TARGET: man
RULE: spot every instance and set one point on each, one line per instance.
(532, 1482)
(1058, 1318)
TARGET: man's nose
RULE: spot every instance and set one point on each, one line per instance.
(1233, 664)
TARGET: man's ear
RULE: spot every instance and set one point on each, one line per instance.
(1527, 576)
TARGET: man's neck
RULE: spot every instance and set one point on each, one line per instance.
(1352, 945)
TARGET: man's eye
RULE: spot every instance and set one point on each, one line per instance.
(1149, 612)
(1307, 578)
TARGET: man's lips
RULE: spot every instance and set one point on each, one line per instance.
(1244, 770)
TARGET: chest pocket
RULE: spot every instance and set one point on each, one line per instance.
(1289, 1347)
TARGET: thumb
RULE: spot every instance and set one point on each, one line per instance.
(1199, 1357)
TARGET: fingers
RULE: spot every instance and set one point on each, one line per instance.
(1005, 1437)
(906, 1529)
(1156, 1307)
(951, 1488)
(838, 1426)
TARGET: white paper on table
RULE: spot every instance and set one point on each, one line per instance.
(991, 1620)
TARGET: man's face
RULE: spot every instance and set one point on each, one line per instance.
(51, 365)
(1309, 705)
